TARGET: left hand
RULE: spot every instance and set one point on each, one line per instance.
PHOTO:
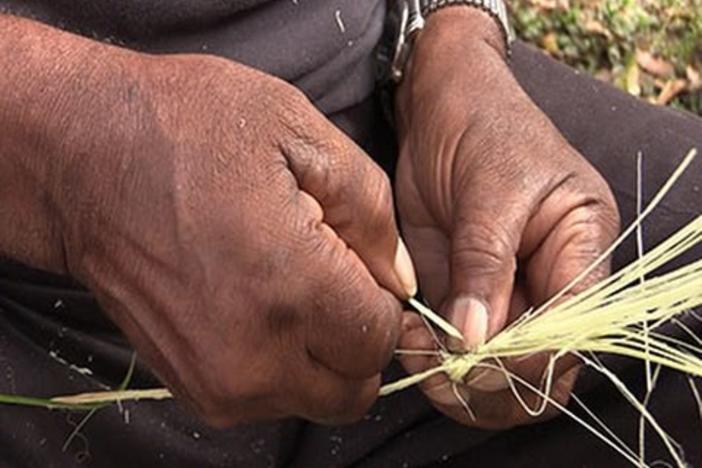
(498, 210)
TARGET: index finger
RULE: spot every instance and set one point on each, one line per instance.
(351, 323)
(356, 197)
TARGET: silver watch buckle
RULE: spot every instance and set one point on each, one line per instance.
(411, 21)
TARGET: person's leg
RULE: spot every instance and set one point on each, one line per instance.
(54, 340)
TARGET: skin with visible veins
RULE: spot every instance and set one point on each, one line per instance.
(194, 232)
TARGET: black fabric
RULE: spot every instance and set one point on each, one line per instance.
(323, 46)
(46, 321)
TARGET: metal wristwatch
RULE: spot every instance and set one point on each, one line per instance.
(410, 19)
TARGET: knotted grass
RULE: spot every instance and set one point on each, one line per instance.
(620, 315)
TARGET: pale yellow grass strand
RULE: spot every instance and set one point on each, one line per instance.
(113, 397)
(436, 319)
(672, 447)
(610, 433)
(611, 317)
(642, 419)
(695, 395)
(677, 173)
(642, 275)
(511, 378)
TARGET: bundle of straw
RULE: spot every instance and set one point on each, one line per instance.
(607, 318)
(620, 316)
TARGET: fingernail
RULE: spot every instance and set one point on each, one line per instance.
(475, 323)
(405, 269)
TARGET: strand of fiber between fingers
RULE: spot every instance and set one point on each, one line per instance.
(571, 326)
(529, 334)
(620, 337)
(672, 294)
(604, 319)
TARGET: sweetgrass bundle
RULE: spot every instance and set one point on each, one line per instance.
(622, 315)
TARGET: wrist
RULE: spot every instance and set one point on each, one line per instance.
(457, 66)
(460, 25)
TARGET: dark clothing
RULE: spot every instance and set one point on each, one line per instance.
(322, 46)
(45, 319)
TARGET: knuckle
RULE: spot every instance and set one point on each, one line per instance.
(294, 109)
(383, 186)
(370, 324)
(294, 112)
(379, 203)
(315, 245)
(294, 96)
(225, 398)
(604, 205)
(590, 234)
(600, 221)
(484, 247)
(377, 334)
(362, 190)
(381, 191)
(610, 217)
(312, 169)
(609, 224)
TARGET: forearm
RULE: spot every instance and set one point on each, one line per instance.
(47, 92)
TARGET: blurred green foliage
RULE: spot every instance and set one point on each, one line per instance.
(651, 48)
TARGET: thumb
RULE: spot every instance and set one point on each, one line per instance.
(484, 243)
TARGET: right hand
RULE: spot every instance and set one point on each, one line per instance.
(244, 245)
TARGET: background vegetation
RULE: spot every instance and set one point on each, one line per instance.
(650, 48)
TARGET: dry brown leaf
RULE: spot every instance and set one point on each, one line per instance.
(550, 43)
(604, 75)
(548, 5)
(654, 65)
(631, 78)
(671, 89)
(693, 76)
(542, 4)
(595, 27)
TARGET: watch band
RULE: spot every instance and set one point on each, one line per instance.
(412, 16)
(495, 8)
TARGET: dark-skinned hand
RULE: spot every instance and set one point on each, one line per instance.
(498, 210)
(245, 246)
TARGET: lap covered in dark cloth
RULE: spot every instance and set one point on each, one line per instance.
(51, 330)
